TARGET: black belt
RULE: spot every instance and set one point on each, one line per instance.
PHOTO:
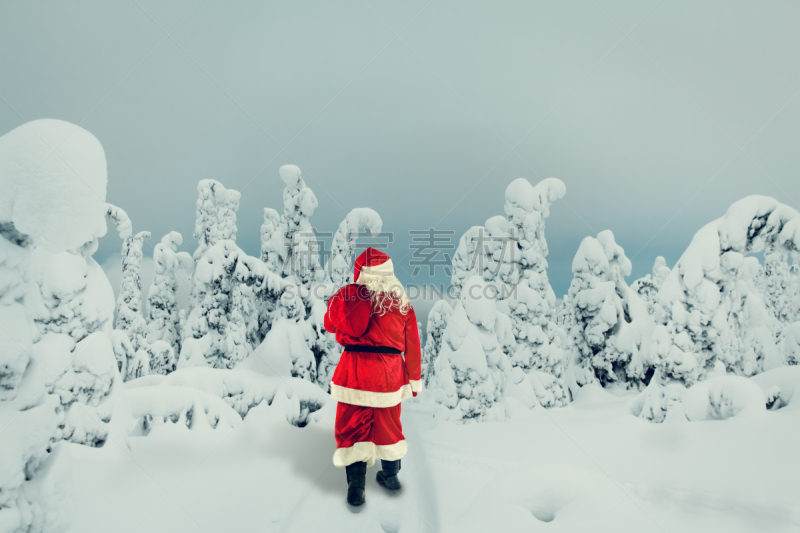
(372, 349)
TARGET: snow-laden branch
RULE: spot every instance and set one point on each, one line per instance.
(121, 220)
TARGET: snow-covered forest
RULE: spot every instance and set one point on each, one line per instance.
(139, 412)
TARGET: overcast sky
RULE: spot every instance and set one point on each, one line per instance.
(656, 115)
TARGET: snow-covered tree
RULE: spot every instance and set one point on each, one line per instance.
(472, 257)
(272, 244)
(27, 410)
(299, 250)
(288, 244)
(438, 318)
(709, 311)
(471, 369)
(216, 215)
(524, 291)
(213, 333)
(133, 356)
(162, 300)
(648, 286)
(129, 317)
(610, 326)
(779, 289)
(73, 294)
(223, 322)
(791, 344)
(509, 253)
(272, 240)
(85, 389)
(794, 275)
(292, 321)
(56, 305)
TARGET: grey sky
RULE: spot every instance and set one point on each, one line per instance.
(654, 134)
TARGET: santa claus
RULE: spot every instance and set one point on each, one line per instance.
(380, 367)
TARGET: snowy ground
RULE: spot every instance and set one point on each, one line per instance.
(591, 466)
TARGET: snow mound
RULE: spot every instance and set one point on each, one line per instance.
(779, 386)
(284, 348)
(719, 397)
(153, 405)
(243, 389)
(551, 498)
(723, 397)
(53, 178)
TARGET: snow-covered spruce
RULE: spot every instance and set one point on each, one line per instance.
(216, 215)
(472, 257)
(648, 286)
(438, 318)
(271, 251)
(58, 375)
(289, 251)
(240, 389)
(27, 410)
(75, 297)
(470, 371)
(709, 312)
(294, 241)
(162, 304)
(214, 333)
(223, 322)
(779, 288)
(128, 314)
(509, 252)
(272, 242)
(90, 390)
(520, 264)
(138, 350)
(791, 344)
(609, 325)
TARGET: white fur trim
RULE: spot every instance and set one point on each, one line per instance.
(368, 452)
(391, 452)
(382, 270)
(360, 451)
(367, 398)
(416, 385)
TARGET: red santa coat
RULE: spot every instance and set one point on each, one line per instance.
(370, 386)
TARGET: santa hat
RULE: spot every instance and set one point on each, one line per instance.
(373, 263)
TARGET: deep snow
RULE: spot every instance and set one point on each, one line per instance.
(590, 466)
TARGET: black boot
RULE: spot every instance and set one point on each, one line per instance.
(356, 481)
(388, 474)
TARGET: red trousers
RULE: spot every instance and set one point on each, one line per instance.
(367, 434)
